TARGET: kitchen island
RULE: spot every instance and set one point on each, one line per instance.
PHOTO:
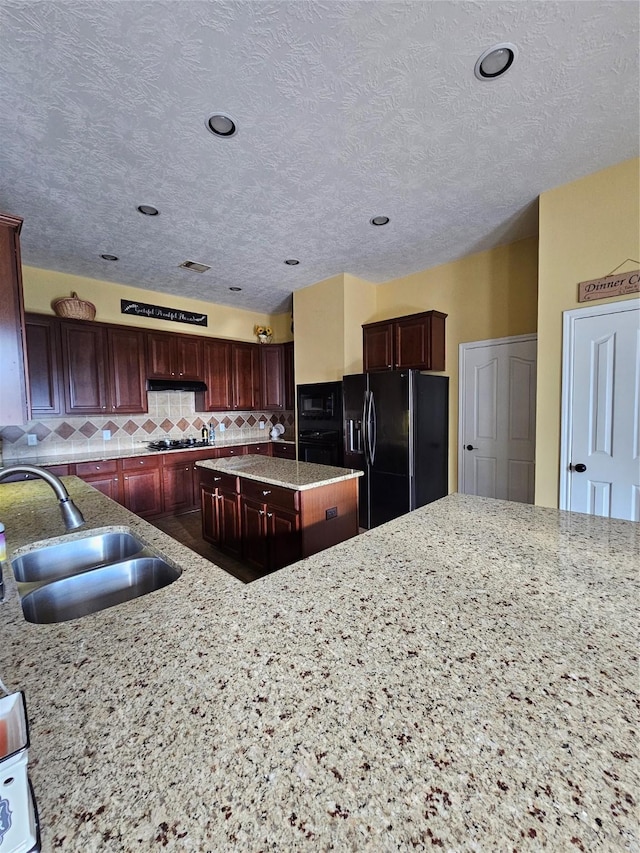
(461, 678)
(271, 512)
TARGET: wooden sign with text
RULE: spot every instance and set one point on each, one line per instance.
(612, 285)
(158, 312)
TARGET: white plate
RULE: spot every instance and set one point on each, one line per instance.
(279, 429)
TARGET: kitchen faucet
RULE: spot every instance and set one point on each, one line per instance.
(71, 515)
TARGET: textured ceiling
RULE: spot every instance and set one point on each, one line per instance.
(346, 110)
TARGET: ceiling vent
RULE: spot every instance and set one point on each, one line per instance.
(192, 265)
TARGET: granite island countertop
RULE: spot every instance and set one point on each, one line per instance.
(287, 473)
(461, 678)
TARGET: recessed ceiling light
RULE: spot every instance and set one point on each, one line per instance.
(292, 262)
(235, 289)
(148, 210)
(222, 125)
(379, 220)
(495, 61)
(109, 257)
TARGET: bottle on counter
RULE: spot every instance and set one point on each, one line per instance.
(205, 434)
(212, 433)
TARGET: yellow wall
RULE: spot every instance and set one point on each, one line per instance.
(319, 331)
(492, 294)
(587, 229)
(360, 298)
(42, 287)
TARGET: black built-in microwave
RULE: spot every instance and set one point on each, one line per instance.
(321, 401)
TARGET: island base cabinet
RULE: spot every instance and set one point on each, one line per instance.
(270, 535)
(220, 512)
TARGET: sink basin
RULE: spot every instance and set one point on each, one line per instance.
(74, 556)
(96, 589)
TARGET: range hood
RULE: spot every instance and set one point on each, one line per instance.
(175, 385)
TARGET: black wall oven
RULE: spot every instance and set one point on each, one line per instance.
(320, 423)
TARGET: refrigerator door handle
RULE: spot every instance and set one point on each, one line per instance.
(372, 428)
(365, 428)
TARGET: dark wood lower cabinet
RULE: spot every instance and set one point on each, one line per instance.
(142, 485)
(220, 512)
(270, 535)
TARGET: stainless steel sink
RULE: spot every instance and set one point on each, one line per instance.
(97, 589)
(73, 556)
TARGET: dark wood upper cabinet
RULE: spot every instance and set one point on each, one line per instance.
(416, 341)
(217, 376)
(174, 356)
(245, 370)
(14, 399)
(289, 376)
(84, 357)
(45, 365)
(126, 352)
(272, 377)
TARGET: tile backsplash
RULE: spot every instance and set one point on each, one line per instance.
(170, 415)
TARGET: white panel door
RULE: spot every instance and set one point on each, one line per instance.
(497, 418)
(601, 460)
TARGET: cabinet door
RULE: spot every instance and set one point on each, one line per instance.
(229, 520)
(289, 376)
(419, 341)
(210, 509)
(254, 533)
(142, 485)
(188, 357)
(245, 373)
(127, 371)
(84, 358)
(44, 365)
(377, 344)
(217, 376)
(283, 451)
(160, 356)
(272, 377)
(285, 544)
(108, 485)
(14, 399)
(177, 484)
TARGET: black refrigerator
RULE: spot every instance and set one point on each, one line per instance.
(396, 430)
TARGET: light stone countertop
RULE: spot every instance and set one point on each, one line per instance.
(142, 450)
(281, 472)
(462, 678)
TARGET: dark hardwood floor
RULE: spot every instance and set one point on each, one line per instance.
(187, 529)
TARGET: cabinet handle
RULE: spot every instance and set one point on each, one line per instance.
(269, 515)
(126, 478)
(115, 479)
(261, 512)
(266, 491)
(97, 467)
(215, 479)
(141, 461)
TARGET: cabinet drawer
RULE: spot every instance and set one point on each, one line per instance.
(238, 450)
(268, 494)
(263, 449)
(218, 480)
(90, 469)
(58, 470)
(283, 451)
(137, 463)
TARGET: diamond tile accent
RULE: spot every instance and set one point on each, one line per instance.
(166, 425)
(149, 426)
(290, 420)
(12, 434)
(239, 422)
(65, 430)
(111, 426)
(183, 424)
(130, 427)
(41, 431)
(227, 422)
(198, 423)
(88, 429)
(251, 420)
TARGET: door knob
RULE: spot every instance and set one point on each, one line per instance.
(470, 447)
(579, 468)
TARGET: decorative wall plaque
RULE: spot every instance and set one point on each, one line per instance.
(158, 312)
(619, 284)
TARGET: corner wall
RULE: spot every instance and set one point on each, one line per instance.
(588, 228)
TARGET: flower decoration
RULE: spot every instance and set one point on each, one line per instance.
(264, 333)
